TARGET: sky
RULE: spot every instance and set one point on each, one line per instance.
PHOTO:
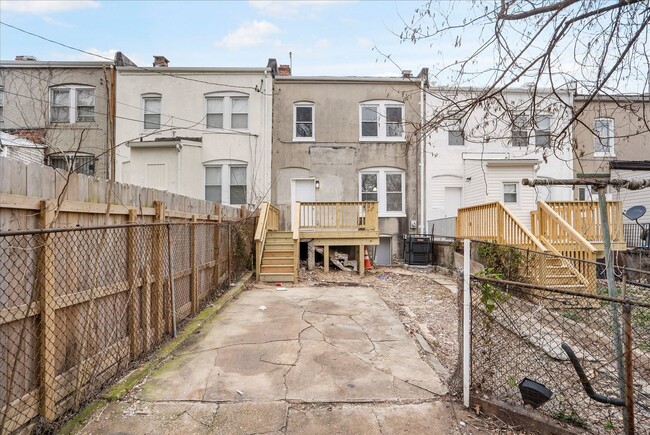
(324, 37)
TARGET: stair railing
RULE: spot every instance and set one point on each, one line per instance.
(296, 241)
(566, 240)
(495, 222)
(268, 221)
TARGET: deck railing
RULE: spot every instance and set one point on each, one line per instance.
(338, 216)
(493, 221)
(584, 216)
(554, 231)
(268, 220)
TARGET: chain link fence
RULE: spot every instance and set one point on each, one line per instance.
(529, 307)
(79, 306)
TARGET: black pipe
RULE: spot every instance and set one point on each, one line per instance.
(585, 382)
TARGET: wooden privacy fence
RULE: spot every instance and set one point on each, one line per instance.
(79, 305)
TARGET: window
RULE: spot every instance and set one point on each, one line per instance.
(519, 130)
(543, 131)
(582, 193)
(226, 111)
(70, 104)
(510, 193)
(79, 163)
(603, 137)
(214, 117)
(523, 128)
(303, 121)
(386, 186)
(381, 120)
(226, 183)
(2, 105)
(456, 138)
(151, 104)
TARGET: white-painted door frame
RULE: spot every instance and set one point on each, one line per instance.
(294, 198)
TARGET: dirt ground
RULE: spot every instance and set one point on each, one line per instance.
(427, 304)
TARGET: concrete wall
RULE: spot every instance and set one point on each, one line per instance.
(27, 107)
(632, 138)
(487, 133)
(336, 154)
(183, 115)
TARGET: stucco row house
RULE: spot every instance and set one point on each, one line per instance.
(241, 136)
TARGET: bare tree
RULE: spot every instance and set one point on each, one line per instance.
(552, 47)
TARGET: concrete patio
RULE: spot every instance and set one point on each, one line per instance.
(304, 360)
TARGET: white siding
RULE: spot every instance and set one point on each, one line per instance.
(631, 198)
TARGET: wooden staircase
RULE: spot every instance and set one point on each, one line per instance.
(277, 262)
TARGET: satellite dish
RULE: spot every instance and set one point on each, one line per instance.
(634, 213)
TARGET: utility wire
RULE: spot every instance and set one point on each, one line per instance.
(151, 70)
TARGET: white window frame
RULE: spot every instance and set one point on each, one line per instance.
(381, 189)
(228, 112)
(303, 104)
(511, 183)
(144, 98)
(75, 162)
(226, 166)
(530, 128)
(610, 150)
(381, 107)
(73, 112)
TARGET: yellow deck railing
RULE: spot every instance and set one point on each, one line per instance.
(338, 216)
(584, 216)
(565, 240)
(268, 221)
(493, 221)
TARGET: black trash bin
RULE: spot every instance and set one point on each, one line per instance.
(417, 249)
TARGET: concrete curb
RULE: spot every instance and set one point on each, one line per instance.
(123, 386)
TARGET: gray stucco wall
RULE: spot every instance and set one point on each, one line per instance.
(336, 155)
(27, 107)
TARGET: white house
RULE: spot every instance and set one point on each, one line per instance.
(200, 132)
(482, 156)
(632, 170)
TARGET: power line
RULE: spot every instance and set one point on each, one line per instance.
(152, 70)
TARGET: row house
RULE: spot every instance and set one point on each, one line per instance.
(346, 140)
(200, 132)
(66, 108)
(482, 156)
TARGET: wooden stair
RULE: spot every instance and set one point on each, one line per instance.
(278, 257)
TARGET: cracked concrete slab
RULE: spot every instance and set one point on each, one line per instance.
(310, 346)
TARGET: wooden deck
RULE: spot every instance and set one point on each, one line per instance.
(325, 223)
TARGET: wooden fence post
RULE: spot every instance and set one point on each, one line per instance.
(194, 276)
(229, 253)
(132, 268)
(157, 260)
(217, 241)
(47, 317)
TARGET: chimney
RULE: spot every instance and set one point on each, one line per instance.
(160, 61)
(407, 73)
(26, 58)
(284, 70)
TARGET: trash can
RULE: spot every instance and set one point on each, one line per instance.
(417, 249)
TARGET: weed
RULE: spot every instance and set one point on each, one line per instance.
(573, 315)
(571, 418)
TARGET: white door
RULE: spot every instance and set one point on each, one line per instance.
(302, 190)
(452, 200)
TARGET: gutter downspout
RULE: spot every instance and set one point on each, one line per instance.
(179, 162)
(422, 168)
